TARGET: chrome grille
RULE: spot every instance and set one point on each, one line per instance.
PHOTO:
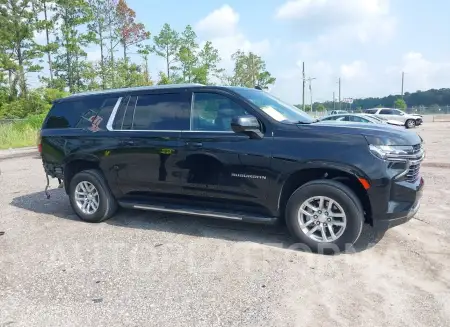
(414, 168)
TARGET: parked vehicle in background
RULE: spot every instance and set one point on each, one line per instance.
(231, 153)
(336, 112)
(409, 120)
(361, 118)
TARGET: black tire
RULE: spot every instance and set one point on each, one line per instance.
(340, 193)
(107, 203)
(410, 123)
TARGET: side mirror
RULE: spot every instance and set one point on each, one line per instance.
(248, 125)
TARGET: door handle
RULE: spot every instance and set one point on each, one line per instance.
(195, 144)
(128, 142)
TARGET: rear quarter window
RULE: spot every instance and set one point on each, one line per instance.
(82, 113)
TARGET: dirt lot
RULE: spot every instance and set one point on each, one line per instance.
(147, 269)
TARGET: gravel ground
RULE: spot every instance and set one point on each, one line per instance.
(147, 269)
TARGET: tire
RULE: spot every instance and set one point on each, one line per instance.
(410, 123)
(107, 204)
(349, 204)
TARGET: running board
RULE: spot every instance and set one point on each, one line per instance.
(184, 210)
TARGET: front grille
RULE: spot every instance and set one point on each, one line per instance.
(414, 169)
(413, 173)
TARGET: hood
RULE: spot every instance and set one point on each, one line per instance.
(381, 134)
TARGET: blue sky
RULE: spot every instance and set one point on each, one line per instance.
(368, 43)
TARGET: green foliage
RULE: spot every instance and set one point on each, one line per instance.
(250, 70)
(17, 135)
(400, 104)
(70, 27)
(320, 107)
(166, 45)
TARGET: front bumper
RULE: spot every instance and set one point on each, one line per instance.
(403, 205)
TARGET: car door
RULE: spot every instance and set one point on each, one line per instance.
(218, 163)
(386, 113)
(149, 126)
(398, 115)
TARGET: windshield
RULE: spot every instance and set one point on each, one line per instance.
(274, 107)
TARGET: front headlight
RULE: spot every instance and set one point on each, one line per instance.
(391, 152)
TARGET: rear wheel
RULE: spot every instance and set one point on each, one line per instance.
(410, 123)
(325, 215)
(90, 196)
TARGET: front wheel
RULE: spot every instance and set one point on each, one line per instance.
(410, 123)
(325, 215)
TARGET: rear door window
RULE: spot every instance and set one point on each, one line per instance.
(154, 112)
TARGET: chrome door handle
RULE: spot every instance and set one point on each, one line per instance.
(195, 144)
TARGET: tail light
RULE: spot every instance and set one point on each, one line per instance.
(39, 142)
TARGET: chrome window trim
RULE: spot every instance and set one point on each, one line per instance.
(125, 113)
(109, 125)
(134, 111)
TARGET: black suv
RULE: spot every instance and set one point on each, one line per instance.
(233, 153)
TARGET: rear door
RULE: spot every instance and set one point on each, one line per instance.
(149, 127)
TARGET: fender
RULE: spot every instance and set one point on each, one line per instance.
(322, 165)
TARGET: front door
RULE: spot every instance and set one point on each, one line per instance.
(149, 128)
(217, 163)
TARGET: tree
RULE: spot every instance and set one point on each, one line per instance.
(187, 54)
(47, 25)
(145, 53)
(250, 70)
(71, 15)
(400, 103)
(208, 62)
(18, 49)
(131, 33)
(166, 46)
(103, 12)
(320, 107)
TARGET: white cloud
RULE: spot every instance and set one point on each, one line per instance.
(354, 71)
(221, 22)
(333, 10)
(221, 27)
(420, 72)
(339, 24)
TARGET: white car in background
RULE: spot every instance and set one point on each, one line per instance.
(409, 120)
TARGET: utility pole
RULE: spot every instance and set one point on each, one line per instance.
(339, 93)
(403, 82)
(334, 102)
(310, 90)
(303, 86)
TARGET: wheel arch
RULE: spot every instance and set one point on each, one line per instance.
(347, 175)
(76, 163)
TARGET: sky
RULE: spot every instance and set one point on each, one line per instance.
(366, 43)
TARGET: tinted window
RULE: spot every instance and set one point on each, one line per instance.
(161, 112)
(358, 119)
(371, 111)
(386, 112)
(81, 113)
(214, 112)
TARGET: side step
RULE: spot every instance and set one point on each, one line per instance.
(197, 211)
